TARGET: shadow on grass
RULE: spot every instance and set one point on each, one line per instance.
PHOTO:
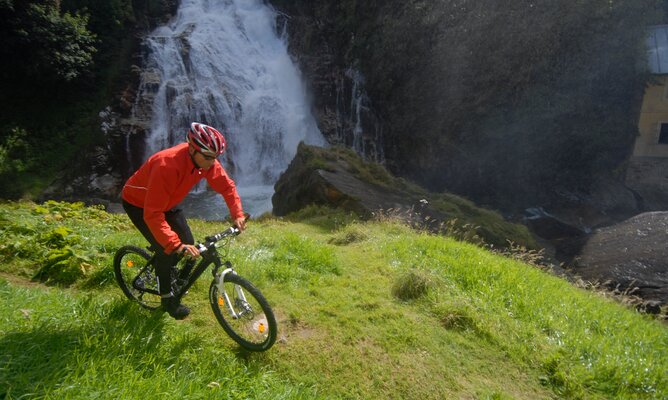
(41, 358)
(38, 359)
(34, 360)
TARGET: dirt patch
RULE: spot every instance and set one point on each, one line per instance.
(21, 281)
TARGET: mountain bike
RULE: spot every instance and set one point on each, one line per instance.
(239, 307)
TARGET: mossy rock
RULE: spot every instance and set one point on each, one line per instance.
(337, 177)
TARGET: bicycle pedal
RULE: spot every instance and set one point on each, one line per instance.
(139, 284)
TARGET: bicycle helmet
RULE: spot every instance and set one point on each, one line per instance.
(206, 140)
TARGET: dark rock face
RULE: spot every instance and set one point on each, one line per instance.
(570, 217)
(476, 107)
(99, 174)
(648, 178)
(345, 112)
(628, 255)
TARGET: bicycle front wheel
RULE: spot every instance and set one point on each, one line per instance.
(244, 313)
(136, 277)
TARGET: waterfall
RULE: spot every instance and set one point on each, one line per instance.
(224, 63)
(357, 126)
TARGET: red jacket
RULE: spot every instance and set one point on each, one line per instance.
(164, 181)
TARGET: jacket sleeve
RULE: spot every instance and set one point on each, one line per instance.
(223, 184)
(157, 200)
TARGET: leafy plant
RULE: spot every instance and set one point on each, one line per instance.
(16, 157)
(51, 240)
(63, 266)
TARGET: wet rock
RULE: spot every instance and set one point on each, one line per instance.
(631, 256)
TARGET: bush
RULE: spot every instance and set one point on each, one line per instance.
(16, 157)
(42, 45)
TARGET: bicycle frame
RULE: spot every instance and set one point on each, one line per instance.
(209, 257)
(212, 257)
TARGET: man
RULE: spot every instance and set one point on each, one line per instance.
(157, 187)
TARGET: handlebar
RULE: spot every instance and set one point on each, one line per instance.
(232, 230)
(210, 240)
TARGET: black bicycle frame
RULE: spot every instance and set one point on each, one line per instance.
(209, 257)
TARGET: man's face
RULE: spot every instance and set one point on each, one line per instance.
(201, 160)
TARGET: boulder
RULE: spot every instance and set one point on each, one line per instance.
(338, 177)
(631, 257)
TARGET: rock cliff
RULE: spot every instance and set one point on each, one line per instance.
(483, 99)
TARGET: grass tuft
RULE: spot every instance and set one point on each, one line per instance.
(353, 233)
(411, 285)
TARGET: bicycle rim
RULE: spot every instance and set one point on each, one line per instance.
(137, 280)
(244, 313)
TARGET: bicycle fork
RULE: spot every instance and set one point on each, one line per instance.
(240, 296)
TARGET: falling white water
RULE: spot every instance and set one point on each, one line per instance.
(356, 103)
(223, 63)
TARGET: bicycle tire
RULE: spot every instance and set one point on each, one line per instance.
(130, 266)
(253, 330)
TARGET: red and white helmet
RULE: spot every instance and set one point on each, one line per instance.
(206, 140)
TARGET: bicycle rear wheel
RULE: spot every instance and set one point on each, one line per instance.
(244, 313)
(136, 277)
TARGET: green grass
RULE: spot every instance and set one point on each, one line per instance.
(365, 310)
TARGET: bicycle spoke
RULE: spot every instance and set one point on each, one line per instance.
(244, 313)
(135, 279)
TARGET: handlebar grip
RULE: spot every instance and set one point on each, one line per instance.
(233, 230)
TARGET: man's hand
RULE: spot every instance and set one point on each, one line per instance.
(188, 250)
(240, 223)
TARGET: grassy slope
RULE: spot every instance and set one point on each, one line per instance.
(479, 325)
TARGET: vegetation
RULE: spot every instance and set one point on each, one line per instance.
(63, 62)
(42, 44)
(366, 310)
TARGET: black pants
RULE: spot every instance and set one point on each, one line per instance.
(163, 262)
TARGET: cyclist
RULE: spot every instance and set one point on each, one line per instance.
(151, 195)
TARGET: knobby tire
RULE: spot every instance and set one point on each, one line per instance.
(255, 331)
(130, 262)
